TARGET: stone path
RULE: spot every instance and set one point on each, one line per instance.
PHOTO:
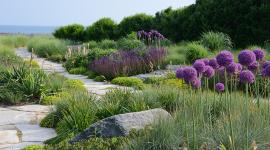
(19, 126)
(99, 88)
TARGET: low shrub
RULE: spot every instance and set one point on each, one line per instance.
(32, 64)
(176, 54)
(174, 83)
(215, 41)
(74, 84)
(56, 57)
(154, 80)
(195, 51)
(107, 44)
(76, 61)
(130, 44)
(53, 99)
(91, 44)
(129, 82)
(100, 78)
(34, 147)
(91, 74)
(79, 70)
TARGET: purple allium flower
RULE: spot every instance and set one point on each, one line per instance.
(220, 87)
(266, 71)
(232, 68)
(179, 73)
(239, 67)
(259, 54)
(205, 60)
(221, 71)
(265, 64)
(199, 65)
(253, 66)
(246, 57)
(246, 76)
(196, 83)
(189, 74)
(209, 72)
(213, 63)
(224, 58)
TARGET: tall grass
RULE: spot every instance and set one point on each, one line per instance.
(48, 47)
(216, 41)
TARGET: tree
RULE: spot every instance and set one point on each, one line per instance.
(135, 23)
(102, 29)
(74, 32)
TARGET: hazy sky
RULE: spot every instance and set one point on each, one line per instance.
(61, 12)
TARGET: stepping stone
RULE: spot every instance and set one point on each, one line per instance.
(16, 117)
(9, 137)
(35, 133)
(33, 108)
(18, 146)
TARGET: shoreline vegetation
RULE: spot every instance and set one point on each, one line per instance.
(217, 91)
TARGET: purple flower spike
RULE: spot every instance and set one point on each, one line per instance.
(189, 74)
(246, 57)
(196, 83)
(199, 65)
(246, 76)
(253, 66)
(232, 68)
(179, 73)
(265, 64)
(266, 71)
(259, 54)
(209, 72)
(213, 63)
(224, 58)
(219, 87)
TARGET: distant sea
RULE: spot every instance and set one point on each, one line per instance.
(12, 29)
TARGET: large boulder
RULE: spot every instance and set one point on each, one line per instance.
(121, 125)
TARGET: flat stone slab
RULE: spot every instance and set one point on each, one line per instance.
(33, 108)
(9, 137)
(16, 117)
(18, 146)
(35, 133)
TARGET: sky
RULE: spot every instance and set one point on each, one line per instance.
(62, 12)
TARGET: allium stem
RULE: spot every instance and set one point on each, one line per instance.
(247, 115)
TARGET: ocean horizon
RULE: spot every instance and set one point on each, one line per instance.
(17, 29)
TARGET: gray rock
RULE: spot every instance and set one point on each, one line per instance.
(121, 125)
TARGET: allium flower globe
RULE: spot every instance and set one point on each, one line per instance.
(213, 63)
(189, 74)
(199, 65)
(209, 72)
(259, 54)
(266, 71)
(253, 66)
(220, 87)
(265, 64)
(239, 67)
(196, 83)
(179, 73)
(246, 57)
(224, 58)
(232, 68)
(246, 76)
(206, 61)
